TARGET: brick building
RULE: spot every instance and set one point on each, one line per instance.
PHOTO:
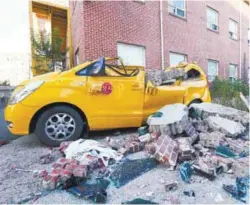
(157, 34)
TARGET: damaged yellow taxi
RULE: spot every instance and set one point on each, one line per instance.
(97, 95)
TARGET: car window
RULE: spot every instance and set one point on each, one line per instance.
(95, 68)
(191, 74)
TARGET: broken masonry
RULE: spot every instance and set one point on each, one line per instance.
(196, 140)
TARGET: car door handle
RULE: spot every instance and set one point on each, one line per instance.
(136, 86)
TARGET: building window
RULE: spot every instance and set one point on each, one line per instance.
(212, 19)
(233, 29)
(176, 58)
(212, 70)
(77, 57)
(177, 8)
(232, 72)
(131, 54)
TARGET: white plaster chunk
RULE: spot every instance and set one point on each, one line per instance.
(205, 110)
(229, 127)
(171, 114)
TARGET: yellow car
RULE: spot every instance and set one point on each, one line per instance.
(96, 95)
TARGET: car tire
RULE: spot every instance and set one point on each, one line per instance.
(196, 101)
(58, 124)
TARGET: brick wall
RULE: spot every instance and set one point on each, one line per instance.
(191, 36)
(106, 23)
(77, 28)
(98, 26)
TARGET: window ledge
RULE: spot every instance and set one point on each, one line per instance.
(215, 31)
(140, 2)
(176, 16)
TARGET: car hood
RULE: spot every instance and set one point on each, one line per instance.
(44, 77)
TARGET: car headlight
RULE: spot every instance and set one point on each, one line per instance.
(25, 92)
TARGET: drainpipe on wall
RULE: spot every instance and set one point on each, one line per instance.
(162, 36)
(240, 37)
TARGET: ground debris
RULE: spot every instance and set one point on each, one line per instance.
(172, 122)
(189, 193)
(171, 187)
(229, 127)
(204, 110)
(212, 139)
(130, 169)
(166, 150)
(240, 191)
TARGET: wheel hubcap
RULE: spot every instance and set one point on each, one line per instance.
(60, 126)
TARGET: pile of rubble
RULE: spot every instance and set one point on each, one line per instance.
(205, 139)
(159, 77)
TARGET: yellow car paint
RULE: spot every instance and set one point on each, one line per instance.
(124, 101)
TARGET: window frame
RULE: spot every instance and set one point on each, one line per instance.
(217, 70)
(211, 23)
(236, 33)
(236, 72)
(176, 53)
(77, 57)
(175, 13)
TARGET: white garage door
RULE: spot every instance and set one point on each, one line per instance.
(131, 54)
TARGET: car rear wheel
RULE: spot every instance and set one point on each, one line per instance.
(197, 101)
(58, 124)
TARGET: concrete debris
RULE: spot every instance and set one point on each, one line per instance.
(172, 122)
(212, 139)
(155, 76)
(63, 146)
(199, 125)
(204, 110)
(208, 165)
(229, 127)
(149, 194)
(166, 150)
(53, 155)
(198, 171)
(84, 151)
(145, 138)
(241, 166)
(171, 187)
(191, 132)
(115, 143)
(189, 193)
(237, 145)
(150, 148)
(201, 142)
(240, 190)
(159, 77)
(185, 149)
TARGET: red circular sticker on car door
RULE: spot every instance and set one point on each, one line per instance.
(106, 88)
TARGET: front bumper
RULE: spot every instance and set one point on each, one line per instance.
(18, 118)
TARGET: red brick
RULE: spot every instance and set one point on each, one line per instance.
(97, 26)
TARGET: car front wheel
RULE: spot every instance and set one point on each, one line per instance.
(59, 123)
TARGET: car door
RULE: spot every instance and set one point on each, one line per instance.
(159, 96)
(195, 83)
(115, 102)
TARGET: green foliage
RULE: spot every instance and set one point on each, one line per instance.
(227, 92)
(5, 83)
(48, 50)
